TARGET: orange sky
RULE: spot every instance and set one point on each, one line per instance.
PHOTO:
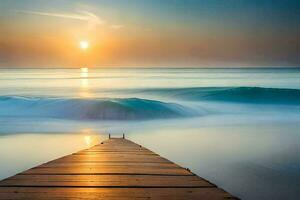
(50, 38)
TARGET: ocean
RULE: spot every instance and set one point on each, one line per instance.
(238, 128)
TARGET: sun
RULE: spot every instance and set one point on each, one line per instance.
(84, 44)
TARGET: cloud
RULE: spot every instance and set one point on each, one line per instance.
(92, 19)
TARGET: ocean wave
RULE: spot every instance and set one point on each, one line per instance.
(90, 109)
(256, 95)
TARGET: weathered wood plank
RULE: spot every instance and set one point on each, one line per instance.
(113, 159)
(34, 193)
(109, 170)
(138, 164)
(106, 180)
(114, 169)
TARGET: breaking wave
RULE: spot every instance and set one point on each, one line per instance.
(256, 95)
(90, 109)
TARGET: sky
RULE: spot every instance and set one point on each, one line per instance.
(150, 33)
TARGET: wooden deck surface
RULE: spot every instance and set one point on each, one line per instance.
(114, 169)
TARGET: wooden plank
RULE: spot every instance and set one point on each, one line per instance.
(117, 155)
(107, 164)
(112, 159)
(106, 181)
(57, 164)
(114, 169)
(21, 193)
(109, 170)
(113, 153)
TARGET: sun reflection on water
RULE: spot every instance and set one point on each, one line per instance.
(87, 140)
(84, 83)
(84, 72)
(90, 138)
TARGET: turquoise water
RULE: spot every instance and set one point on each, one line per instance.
(236, 127)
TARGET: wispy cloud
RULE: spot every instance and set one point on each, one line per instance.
(92, 19)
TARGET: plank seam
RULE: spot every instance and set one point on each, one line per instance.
(77, 186)
(126, 174)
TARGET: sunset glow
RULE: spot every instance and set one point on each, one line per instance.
(169, 34)
(84, 44)
(212, 84)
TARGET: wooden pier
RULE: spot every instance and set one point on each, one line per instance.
(115, 169)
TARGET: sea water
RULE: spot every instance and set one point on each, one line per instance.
(238, 128)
